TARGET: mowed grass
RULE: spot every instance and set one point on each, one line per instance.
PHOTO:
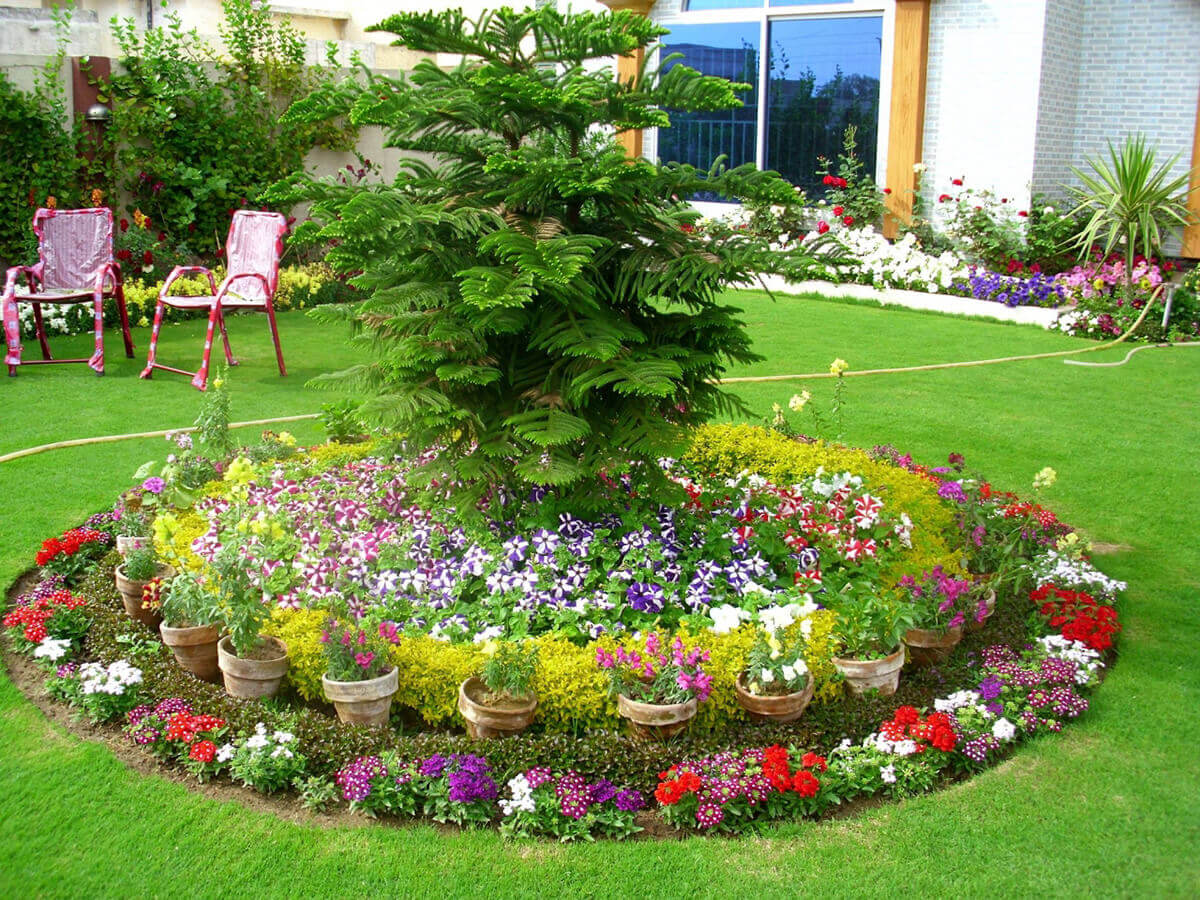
(1107, 808)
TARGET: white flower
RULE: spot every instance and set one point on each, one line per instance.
(225, 753)
(1003, 730)
(487, 634)
(767, 676)
(284, 737)
(957, 700)
(522, 797)
(887, 774)
(918, 168)
(799, 401)
(727, 618)
(52, 649)
(776, 618)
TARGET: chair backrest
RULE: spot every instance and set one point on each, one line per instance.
(73, 244)
(254, 245)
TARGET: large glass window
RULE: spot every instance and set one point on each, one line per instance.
(822, 74)
(730, 51)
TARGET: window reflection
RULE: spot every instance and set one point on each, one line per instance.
(823, 76)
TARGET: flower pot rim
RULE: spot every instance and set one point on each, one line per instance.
(742, 683)
(386, 673)
(855, 661)
(225, 645)
(466, 692)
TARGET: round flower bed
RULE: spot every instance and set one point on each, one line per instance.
(763, 564)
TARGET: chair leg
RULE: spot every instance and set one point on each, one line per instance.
(96, 363)
(12, 332)
(200, 380)
(40, 327)
(159, 308)
(119, 295)
(225, 339)
(275, 336)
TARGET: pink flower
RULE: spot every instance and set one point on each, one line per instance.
(364, 659)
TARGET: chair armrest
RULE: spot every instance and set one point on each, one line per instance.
(108, 270)
(10, 277)
(230, 279)
(179, 271)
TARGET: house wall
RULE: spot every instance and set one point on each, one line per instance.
(981, 96)
(1139, 71)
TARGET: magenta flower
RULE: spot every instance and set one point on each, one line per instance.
(154, 485)
(364, 659)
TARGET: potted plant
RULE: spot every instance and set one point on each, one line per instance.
(870, 628)
(500, 701)
(357, 679)
(141, 567)
(131, 523)
(188, 611)
(658, 692)
(938, 603)
(253, 664)
(776, 684)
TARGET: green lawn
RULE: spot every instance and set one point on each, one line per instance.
(1108, 807)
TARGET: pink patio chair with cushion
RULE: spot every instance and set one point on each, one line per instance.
(75, 265)
(252, 256)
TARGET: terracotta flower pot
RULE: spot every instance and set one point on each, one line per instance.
(773, 707)
(131, 596)
(363, 702)
(928, 647)
(253, 678)
(656, 721)
(490, 720)
(863, 675)
(989, 600)
(127, 542)
(195, 648)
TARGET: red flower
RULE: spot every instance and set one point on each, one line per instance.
(162, 236)
(887, 190)
(848, 220)
(813, 761)
(1023, 213)
(124, 225)
(806, 784)
(907, 715)
(943, 198)
(191, 226)
(124, 255)
(148, 258)
(827, 180)
(822, 227)
(203, 751)
(838, 210)
(957, 182)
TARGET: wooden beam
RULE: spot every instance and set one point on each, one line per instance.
(906, 121)
(1191, 234)
(627, 70)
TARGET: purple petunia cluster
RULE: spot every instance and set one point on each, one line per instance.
(469, 778)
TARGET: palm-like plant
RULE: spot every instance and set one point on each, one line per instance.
(1131, 202)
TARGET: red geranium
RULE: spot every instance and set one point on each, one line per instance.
(203, 751)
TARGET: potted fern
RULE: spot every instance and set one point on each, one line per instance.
(357, 681)
(500, 701)
(188, 611)
(141, 566)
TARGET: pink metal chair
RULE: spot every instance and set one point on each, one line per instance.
(252, 256)
(75, 265)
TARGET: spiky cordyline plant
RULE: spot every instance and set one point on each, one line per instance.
(540, 309)
(1129, 202)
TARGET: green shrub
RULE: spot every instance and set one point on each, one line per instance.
(541, 310)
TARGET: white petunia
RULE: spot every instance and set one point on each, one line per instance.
(1003, 730)
(887, 774)
(52, 649)
(727, 618)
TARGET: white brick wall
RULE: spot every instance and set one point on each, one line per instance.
(981, 95)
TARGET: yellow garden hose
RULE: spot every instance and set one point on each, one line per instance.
(745, 379)
(748, 379)
(111, 438)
